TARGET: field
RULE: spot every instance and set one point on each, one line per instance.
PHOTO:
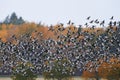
(40, 78)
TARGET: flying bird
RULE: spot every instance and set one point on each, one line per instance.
(91, 21)
(110, 23)
(88, 17)
(86, 24)
(114, 23)
(96, 21)
(102, 23)
(112, 18)
(69, 22)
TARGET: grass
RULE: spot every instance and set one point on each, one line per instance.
(40, 78)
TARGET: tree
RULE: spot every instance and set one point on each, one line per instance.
(109, 71)
(114, 72)
(13, 18)
(20, 21)
(60, 70)
(23, 72)
(87, 75)
(7, 20)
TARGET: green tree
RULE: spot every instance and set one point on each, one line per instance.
(23, 72)
(13, 18)
(7, 20)
(60, 70)
(20, 21)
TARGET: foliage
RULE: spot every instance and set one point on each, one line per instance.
(13, 19)
(60, 70)
(110, 71)
(23, 72)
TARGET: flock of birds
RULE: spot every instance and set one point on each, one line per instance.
(82, 54)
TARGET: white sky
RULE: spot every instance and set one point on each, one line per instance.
(53, 11)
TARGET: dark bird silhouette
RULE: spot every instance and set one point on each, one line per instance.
(61, 24)
(93, 26)
(86, 24)
(118, 23)
(88, 17)
(51, 28)
(92, 21)
(102, 23)
(69, 22)
(110, 23)
(114, 23)
(13, 36)
(72, 23)
(96, 21)
(61, 29)
(112, 18)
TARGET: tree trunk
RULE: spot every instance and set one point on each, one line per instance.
(96, 75)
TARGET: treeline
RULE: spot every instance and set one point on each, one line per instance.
(14, 25)
(13, 19)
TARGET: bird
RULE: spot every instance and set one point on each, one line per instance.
(51, 28)
(118, 23)
(91, 21)
(114, 23)
(72, 23)
(112, 18)
(61, 24)
(69, 22)
(88, 17)
(102, 23)
(110, 23)
(86, 24)
(96, 21)
(93, 26)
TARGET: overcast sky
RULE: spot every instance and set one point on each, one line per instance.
(54, 11)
